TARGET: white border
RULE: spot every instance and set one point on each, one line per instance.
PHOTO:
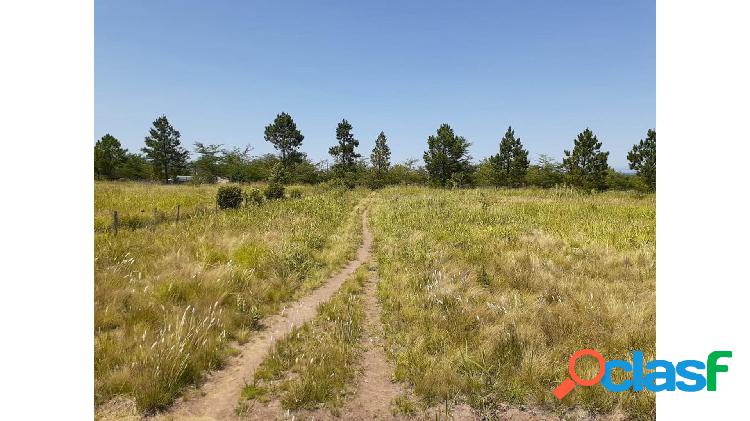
(46, 127)
(703, 121)
(46, 108)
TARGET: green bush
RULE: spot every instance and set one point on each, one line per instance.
(295, 193)
(229, 197)
(276, 181)
(274, 191)
(254, 196)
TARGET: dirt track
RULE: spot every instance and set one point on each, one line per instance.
(218, 397)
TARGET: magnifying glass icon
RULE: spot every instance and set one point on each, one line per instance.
(568, 384)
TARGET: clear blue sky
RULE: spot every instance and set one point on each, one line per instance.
(222, 70)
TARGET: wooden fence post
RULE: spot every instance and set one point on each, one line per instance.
(178, 213)
(155, 221)
(115, 222)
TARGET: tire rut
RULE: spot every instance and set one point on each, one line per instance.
(375, 388)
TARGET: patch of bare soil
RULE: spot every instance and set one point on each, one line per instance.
(375, 389)
(218, 397)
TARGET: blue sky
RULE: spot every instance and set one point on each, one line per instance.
(222, 70)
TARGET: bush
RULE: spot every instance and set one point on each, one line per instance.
(254, 196)
(274, 191)
(460, 179)
(275, 188)
(229, 197)
(295, 193)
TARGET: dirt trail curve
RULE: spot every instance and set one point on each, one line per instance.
(220, 394)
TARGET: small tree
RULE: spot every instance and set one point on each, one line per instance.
(380, 158)
(109, 156)
(208, 165)
(285, 137)
(586, 165)
(407, 172)
(163, 149)
(546, 173)
(512, 163)
(236, 165)
(135, 167)
(643, 159)
(381, 154)
(275, 187)
(345, 153)
(447, 157)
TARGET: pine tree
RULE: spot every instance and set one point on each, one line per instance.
(381, 154)
(447, 158)
(285, 137)
(511, 163)
(109, 156)
(344, 153)
(163, 149)
(643, 159)
(586, 165)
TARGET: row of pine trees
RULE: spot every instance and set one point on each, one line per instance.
(447, 162)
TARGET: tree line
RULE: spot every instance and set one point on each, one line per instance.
(447, 162)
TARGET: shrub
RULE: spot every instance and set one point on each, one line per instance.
(346, 181)
(254, 196)
(295, 193)
(274, 191)
(275, 188)
(229, 197)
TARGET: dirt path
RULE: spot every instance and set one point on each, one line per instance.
(219, 395)
(375, 390)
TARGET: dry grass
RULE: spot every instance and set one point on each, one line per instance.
(135, 202)
(486, 293)
(315, 365)
(168, 302)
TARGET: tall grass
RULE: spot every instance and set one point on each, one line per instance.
(169, 302)
(135, 202)
(487, 293)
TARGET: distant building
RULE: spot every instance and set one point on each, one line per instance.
(179, 179)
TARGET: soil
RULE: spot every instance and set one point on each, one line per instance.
(375, 389)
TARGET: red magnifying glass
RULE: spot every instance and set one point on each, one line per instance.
(568, 384)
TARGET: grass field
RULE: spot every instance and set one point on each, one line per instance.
(168, 301)
(485, 293)
(135, 202)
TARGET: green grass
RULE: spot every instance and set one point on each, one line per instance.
(315, 365)
(135, 202)
(487, 293)
(168, 302)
